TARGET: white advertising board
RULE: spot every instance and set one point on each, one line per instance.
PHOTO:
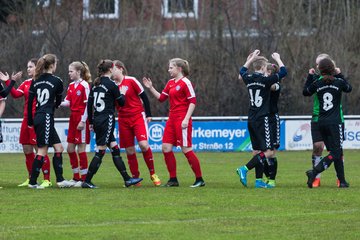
(298, 135)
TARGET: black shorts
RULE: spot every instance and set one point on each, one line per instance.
(315, 132)
(46, 134)
(104, 126)
(260, 134)
(274, 121)
(333, 135)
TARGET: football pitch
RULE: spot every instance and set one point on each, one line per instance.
(223, 209)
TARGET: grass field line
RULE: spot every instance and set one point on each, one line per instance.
(177, 221)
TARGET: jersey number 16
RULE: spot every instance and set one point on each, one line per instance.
(257, 99)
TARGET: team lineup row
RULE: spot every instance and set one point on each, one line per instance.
(93, 109)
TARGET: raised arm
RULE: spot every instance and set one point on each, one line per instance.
(310, 79)
(148, 84)
(5, 77)
(250, 59)
(282, 72)
(310, 90)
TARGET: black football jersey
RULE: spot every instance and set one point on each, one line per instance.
(258, 87)
(329, 95)
(102, 98)
(47, 90)
(274, 99)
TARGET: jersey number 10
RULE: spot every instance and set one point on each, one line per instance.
(42, 96)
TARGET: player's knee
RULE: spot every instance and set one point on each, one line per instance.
(100, 154)
(27, 149)
(59, 148)
(166, 148)
(318, 148)
(144, 146)
(115, 151)
(130, 150)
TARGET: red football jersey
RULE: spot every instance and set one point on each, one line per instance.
(23, 90)
(77, 95)
(133, 104)
(181, 94)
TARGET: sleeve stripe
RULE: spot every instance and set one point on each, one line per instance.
(139, 84)
(190, 87)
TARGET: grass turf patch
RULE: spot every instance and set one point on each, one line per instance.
(223, 209)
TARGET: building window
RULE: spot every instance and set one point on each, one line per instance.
(254, 10)
(180, 8)
(100, 9)
(46, 3)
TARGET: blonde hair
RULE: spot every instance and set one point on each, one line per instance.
(259, 62)
(185, 68)
(84, 70)
(44, 63)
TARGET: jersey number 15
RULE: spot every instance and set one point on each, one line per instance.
(99, 103)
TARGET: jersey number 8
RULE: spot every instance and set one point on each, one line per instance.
(327, 97)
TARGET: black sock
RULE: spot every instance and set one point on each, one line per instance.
(339, 168)
(173, 179)
(257, 159)
(58, 168)
(94, 165)
(119, 163)
(199, 179)
(324, 164)
(272, 168)
(36, 168)
(259, 171)
(266, 168)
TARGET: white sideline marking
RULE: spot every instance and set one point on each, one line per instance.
(134, 222)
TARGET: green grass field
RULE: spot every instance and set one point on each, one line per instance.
(224, 209)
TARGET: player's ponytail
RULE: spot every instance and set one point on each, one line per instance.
(327, 70)
(102, 68)
(85, 74)
(43, 64)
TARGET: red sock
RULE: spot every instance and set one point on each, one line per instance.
(83, 165)
(170, 163)
(29, 159)
(46, 168)
(133, 165)
(148, 157)
(74, 165)
(194, 163)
